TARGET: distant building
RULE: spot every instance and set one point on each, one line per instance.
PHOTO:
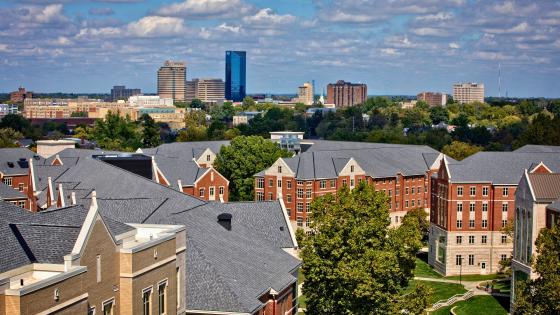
(120, 92)
(207, 90)
(171, 80)
(344, 94)
(432, 98)
(7, 109)
(244, 117)
(20, 95)
(465, 93)
(407, 104)
(305, 94)
(235, 87)
(149, 101)
(323, 110)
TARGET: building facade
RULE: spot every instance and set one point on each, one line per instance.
(20, 95)
(432, 98)
(120, 92)
(172, 78)
(235, 85)
(207, 90)
(464, 93)
(8, 109)
(344, 94)
(306, 94)
(149, 101)
(472, 202)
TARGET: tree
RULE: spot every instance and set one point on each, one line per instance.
(9, 137)
(196, 103)
(353, 262)
(243, 158)
(542, 295)
(248, 102)
(116, 133)
(439, 114)
(460, 150)
(421, 216)
(15, 122)
(150, 132)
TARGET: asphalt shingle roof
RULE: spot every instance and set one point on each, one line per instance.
(186, 150)
(532, 148)
(10, 161)
(9, 193)
(545, 186)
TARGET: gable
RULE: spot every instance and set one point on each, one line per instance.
(540, 168)
(207, 157)
(352, 168)
(279, 165)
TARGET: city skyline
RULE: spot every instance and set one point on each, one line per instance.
(395, 47)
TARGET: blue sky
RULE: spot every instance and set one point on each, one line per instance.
(395, 46)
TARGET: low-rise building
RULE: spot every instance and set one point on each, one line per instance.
(8, 109)
(13, 196)
(245, 117)
(464, 93)
(432, 98)
(120, 92)
(20, 95)
(149, 101)
(14, 168)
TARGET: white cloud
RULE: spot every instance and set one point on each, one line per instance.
(390, 52)
(490, 55)
(51, 13)
(440, 16)
(430, 31)
(63, 41)
(206, 8)
(522, 27)
(151, 26)
(266, 17)
(454, 46)
(3, 47)
(228, 28)
(340, 16)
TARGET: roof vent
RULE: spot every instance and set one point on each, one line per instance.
(36, 157)
(22, 159)
(224, 220)
(11, 164)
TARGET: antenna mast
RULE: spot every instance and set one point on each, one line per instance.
(499, 80)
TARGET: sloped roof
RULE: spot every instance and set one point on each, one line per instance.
(533, 148)
(499, 167)
(9, 193)
(178, 168)
(186, 150)
(555, 205)
(10, 163)
(545, 186)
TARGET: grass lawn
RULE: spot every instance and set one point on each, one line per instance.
(441, 290)
(476, 277)
(478, 305)
(423, 269)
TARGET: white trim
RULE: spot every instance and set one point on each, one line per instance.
(51, 189)
(63, 305)
(526, 176)
(211, 168)
(87, 226)
(157, 169)
(151, 267)
(61, 196)
(287, 220)
(543, 165)
(32, 175)
(106, 302)
(148, 244)
(146, 289)
(46, 282)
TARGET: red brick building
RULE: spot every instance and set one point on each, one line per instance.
(472, 201)
(401, 171)
(432, 98)
(344, 94)
(20, 95)
(14, 173)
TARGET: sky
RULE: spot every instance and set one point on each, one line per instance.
(396, 47)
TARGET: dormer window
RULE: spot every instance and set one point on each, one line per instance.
(279, 169)
(208, 157)
(351, 168)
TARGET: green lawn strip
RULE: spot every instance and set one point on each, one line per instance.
(441, 290)
(483, 304)
(476, 277)
(424, 270)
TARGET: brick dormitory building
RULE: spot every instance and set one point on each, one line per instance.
(401, 171)
(101, 239)
(472, 201)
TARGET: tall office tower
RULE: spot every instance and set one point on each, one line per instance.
(171, 80)
(344, 94)
(235, 75)
(305, 93)
(120, 92)
(465, 93)
(432, 98)
(206, 90)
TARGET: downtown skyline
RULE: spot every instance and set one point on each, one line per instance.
(395, 47)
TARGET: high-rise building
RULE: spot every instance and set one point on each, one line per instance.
(305, 93)
(171, 80)
(432, 98)
(206, 90)
(235, 88)
(465, 93)
(120, 92)
(344, 94)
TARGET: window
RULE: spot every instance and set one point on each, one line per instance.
(260, 182)
(412, 202)
(412, 190)
(484, 207)
(300, 182)
(390, 192)
(201, 192)
(299, 221)
(483, 239)
(397, 191)
(307, 221)
(91, 310)
(504, 207)
(344, 182)
(351, 183)
(162, 287)
(7, 181)
(459, 239)
(146, 299)
(459, 207)
(352, 168)
(308, 193)
(459, 224)
(260, 196)
(279, 169)
(484, 223)
(300, 192)
(288, 198)
(20, 186)
(397, 219)
(323, 184)
(211, 191)
(289, 183)
(471, 260)
(270, 196)
(471, 207)
(279, 183)
(21, 203)
(333, 183)
(426, 188)
(458, 260)
(98, 268)
(308, 207)
(503, 257)
(473, 191)
(471, 239)
(471, 224)
(504, 239)
(222, 190)
(504, 223)
(485, 191)
(270, 182)
(406, 204)
(406, 190)
(299, 207)
(289, 211)
(459, 191)
(505, 191)
(108, 307)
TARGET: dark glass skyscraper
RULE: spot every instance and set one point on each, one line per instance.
(235, 75)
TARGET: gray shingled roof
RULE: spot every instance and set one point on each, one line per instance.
(178, 168)
(12, 156)
(499, 167)
(185, 150)
(555, 205)
(9, 193)
(533, 148)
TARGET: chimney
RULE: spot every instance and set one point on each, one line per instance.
(61, 196)
(224, 220)
(73, 198)
(180, 184)
(94, 199)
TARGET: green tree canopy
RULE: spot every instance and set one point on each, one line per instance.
(542, 295)
(353, 262)
(460, 150)
(8, 137)
(243, 158)
(150, 132)
(116, 133)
